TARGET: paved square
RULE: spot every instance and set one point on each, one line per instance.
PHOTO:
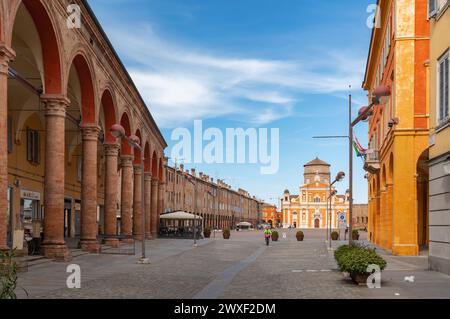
(242, 267)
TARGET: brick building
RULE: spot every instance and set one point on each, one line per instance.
(218, 204)
(61, 90)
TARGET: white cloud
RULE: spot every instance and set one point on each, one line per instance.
(180, 83)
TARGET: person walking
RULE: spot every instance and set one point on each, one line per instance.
(267, 235)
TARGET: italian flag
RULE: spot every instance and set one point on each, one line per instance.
(360, 151)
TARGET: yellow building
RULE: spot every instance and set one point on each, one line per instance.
(308, 209)
(398, 127)
(439, 15)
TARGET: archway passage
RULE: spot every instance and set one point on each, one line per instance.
(87, 90)
(422, 200)
(125, 146)
(49, 43)
(109, 114)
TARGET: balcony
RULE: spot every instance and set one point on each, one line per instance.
(372, 163)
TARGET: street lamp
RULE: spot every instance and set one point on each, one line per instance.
(378, 96)
(339, 177)
(118, 131)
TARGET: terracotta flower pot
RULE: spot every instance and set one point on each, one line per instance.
(360, 279)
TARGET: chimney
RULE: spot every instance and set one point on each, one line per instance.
(182, 167)
(193, 172)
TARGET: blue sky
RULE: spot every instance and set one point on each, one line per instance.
(283, 64)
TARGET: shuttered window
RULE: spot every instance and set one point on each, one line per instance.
(432, 8)
(443, 100)
(33, 146)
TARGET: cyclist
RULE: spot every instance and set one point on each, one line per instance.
(267, 235)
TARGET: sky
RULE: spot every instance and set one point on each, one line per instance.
(275, 64)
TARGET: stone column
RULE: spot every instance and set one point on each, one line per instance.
(137, 202)
(148, 205)
(89, 228)
(6, 56)
(111, 179)
(161, 189)
(54, 245)
(126, 197)
(154, 219)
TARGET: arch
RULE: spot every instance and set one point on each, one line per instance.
(390, 175)
(147, 159)
(137, 152)
(109, 112)
(160, 170)
(125, 122)
(49, 43)
(84, 72)
(383, 176)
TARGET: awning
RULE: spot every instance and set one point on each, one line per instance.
(245, 224)
(180, 216)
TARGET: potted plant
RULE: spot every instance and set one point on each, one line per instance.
(300, 235)
(335, 235)
(356, 260)
(207, 232)
(226, 233)
(355, 234)
(275, 235)
(8, 275)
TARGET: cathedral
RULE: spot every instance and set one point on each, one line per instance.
(309, 208)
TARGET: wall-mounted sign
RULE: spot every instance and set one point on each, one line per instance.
(25, 194)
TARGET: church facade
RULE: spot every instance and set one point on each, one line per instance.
(309, 208)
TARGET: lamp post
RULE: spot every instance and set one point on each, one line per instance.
(339, 177)
(363, 115)
(118, 131)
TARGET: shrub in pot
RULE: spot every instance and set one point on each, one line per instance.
(335, 235)
(207, 232)
(300, 235)
(355, 234)
(226, 233)
(355, 260)
(275, 235)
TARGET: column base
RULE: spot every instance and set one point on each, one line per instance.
(154, 234)
(58, 252)
(405, 250)
(127, 241)
(91, 246)
(138, 237)
(148, 236)
(112, 242)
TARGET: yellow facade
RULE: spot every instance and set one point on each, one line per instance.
(398, 128)
(310, 208)
(439, 164)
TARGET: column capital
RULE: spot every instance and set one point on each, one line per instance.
(7, 55)
(155, 182)
(137, 169)
(148, 176)
(126, 160)
(111, 149)
(90, 132)
(55, 104)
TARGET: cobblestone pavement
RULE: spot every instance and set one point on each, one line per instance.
(242, 267)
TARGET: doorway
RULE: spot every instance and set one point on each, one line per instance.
(317, 223)
(67, 217)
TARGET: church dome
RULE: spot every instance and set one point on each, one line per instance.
(317, 162)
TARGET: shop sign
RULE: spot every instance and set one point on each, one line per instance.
(25, 194)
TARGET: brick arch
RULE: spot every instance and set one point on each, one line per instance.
(383, 176)
(161, 169)
(137, 152)
(125, 122)
(109, 111)
(50, 43)
(85, 76)
(147, 159)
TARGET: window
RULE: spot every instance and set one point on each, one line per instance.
(443, 89)
(10, 134)
(33, 146)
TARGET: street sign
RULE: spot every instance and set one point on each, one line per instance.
(342, 221)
